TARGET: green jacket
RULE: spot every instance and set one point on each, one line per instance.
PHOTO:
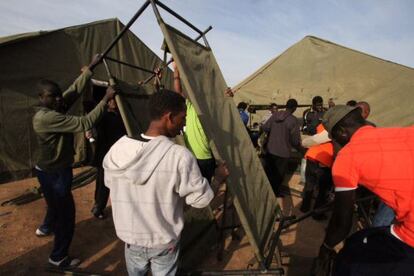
(55, 130)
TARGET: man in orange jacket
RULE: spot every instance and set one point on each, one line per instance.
(319, 160)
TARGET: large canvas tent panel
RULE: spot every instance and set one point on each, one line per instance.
(201, 76)
(318, 67)
(58, 55)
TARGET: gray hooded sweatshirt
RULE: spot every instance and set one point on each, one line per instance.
(149, 182)
(284, 133)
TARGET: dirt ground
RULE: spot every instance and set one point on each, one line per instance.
(95, 242)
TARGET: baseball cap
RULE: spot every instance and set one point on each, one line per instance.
(334, 115)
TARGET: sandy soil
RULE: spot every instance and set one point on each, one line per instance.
(95, 242)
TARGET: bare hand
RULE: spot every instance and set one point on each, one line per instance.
(158, 72)
(96, 59)
(229, 92)
(174, 66)
(88, 134)
(84, 68)
(221, 173)
(110, 93)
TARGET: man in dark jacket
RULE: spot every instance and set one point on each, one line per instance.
(312, 117)
(284, 133)
(54, 130)
(109, 129)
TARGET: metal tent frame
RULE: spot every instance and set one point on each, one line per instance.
(273, 240)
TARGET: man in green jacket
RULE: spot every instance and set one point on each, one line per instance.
(54, 129)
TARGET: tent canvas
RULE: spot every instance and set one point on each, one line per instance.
(58, 55)
(314, 66)
(255, 201)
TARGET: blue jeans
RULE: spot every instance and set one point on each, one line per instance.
(384, 216)
(60, 217)
(163, 261)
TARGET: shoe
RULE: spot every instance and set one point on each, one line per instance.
(98, 214)
(65, 263)
(42, 233)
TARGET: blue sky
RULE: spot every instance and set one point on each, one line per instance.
(246, 33)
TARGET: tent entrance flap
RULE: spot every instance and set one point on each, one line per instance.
(255, 201)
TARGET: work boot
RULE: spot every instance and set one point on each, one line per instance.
(97, 213)
(306, 202)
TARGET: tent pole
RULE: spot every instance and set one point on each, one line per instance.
(176, 15)
(203, 33)
(171, 60)
(221, 238)
(274, 242)
(182, 19)
(108, 72)
(156, 11)
(119, 103)
(127, 26)
(130, 65)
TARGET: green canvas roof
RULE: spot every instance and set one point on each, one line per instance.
(58, 55)
(314, 66)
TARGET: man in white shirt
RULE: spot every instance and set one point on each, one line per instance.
(150, 178)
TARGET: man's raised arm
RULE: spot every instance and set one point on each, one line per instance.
(71, 94)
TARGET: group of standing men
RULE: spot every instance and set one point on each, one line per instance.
(346, 150)
(150, 177)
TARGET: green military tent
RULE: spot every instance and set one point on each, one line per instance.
(314, 66)
(58, 55)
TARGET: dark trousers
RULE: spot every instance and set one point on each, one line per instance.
(374, 251)
(317, 177)
(276, 169)
(101, 191)
(60, 216)
(207, 167)
(325, 186)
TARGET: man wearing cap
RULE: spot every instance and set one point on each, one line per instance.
(384, 215)
(382, 160)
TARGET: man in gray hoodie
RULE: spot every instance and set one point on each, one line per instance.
(150, 178)
(284, 133)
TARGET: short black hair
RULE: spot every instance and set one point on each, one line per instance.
(165, 101)
(364, 103)
(351, 103)
(292, 104)
(352, 119)
(45, 85)
(317, 100)
(242, 105)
